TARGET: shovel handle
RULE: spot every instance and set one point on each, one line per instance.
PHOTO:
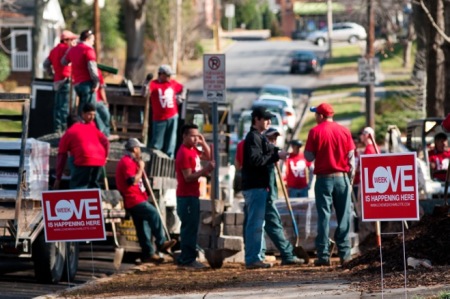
(288, 203)
(447, 178)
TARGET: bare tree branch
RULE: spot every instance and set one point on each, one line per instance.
(432, 21)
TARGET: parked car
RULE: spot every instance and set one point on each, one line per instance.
(305, 62)
(245, 122)
(347, 31)
(277, 90)
(285, 103)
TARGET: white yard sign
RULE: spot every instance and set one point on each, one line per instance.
(214, 86)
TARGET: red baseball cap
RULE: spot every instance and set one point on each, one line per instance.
(325, 109)
(66, 34)
(446, 123)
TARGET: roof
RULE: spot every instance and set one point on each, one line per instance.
(21, 13)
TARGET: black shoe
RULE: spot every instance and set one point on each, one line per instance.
(345, 261)
(259, 265)
(320, 262)
(294, 261)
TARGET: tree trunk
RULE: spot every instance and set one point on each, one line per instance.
(36, 69)
(446, 49)
(134, 12)
(435, 63)
(410, 37)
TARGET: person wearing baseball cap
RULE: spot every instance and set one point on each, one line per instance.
(298, 171)
(61, 79)
(273, 225)
(439, 157)
(331, 146)
(129, 181)
(165, 94)
(259, 159)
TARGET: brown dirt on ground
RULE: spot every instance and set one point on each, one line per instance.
(425, 239)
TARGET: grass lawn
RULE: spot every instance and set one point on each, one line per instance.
(10, 126)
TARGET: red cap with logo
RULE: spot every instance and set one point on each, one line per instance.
(325, 109)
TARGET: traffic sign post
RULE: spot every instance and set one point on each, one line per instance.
(368, 71)
(214, 86)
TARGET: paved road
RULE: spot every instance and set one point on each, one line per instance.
(251, 64)
(17, 276)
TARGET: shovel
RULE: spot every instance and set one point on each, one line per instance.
(299, 251)
(118, 251)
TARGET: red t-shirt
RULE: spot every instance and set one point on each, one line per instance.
(330, 142)
(442, 162)
(86, 143)
(370, 149)
(187, 158)
(240, 152)
(132, 194)
(56, 54)
(297, 171)
(163, 99)
(79, 56)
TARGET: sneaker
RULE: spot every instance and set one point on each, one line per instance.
(167, 245)
(156, 259)
(294, 261)
(345, 261)
(259, 265)
(321, 262)
(194, 266)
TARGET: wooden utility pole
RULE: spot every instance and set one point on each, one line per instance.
(370, 53)
(330, 25)
(177, 38)
(97, 45)
(217, 24)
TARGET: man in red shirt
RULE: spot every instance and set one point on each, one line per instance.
(368, 150)
(331, 146)
(238, 162)
(129, 173)
(61, 79)
(164, 104)
(298, 171)
(188, 171)
(89, 148)
(84, 69)
(439, 157)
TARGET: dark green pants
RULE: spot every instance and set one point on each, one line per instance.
(188, 209)
(85, 177)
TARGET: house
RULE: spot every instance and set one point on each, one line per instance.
(16, 39)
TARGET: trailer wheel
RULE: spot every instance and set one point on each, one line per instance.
(48, 259)
(71, 262)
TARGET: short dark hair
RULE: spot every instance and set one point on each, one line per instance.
(440, 136)
(88, 107)
(185, 129)
(85, 34)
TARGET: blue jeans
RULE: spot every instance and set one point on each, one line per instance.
(295, 192)
(85, 177)
(147, 222)
(254, 210)
(103, 118)
(164, 135)
(188, 209)
(333, 191)
(85, 94)
(61, 108)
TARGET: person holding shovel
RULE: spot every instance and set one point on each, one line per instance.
(188, 171)
(129, 182)
(332, 148)
(273, 226)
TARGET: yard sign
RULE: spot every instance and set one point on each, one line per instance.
(389, 187)
(73, 215)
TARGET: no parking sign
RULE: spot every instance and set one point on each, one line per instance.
(389, 187)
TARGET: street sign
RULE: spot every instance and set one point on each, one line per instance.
(73, 215)
(368, 70)
(229, 10)
(389, 188)
(214, 86)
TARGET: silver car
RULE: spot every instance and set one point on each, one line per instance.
(347, 31)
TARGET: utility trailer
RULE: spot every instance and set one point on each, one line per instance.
(23, 176)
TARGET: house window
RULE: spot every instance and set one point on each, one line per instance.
(21, 50)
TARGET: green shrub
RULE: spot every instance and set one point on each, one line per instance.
(5, 67)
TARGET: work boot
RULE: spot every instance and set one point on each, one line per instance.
(321, 262)
(259, 265)
(154, 258)
(167, 245)
(345, 261)
(193, 266)
(294, 261)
